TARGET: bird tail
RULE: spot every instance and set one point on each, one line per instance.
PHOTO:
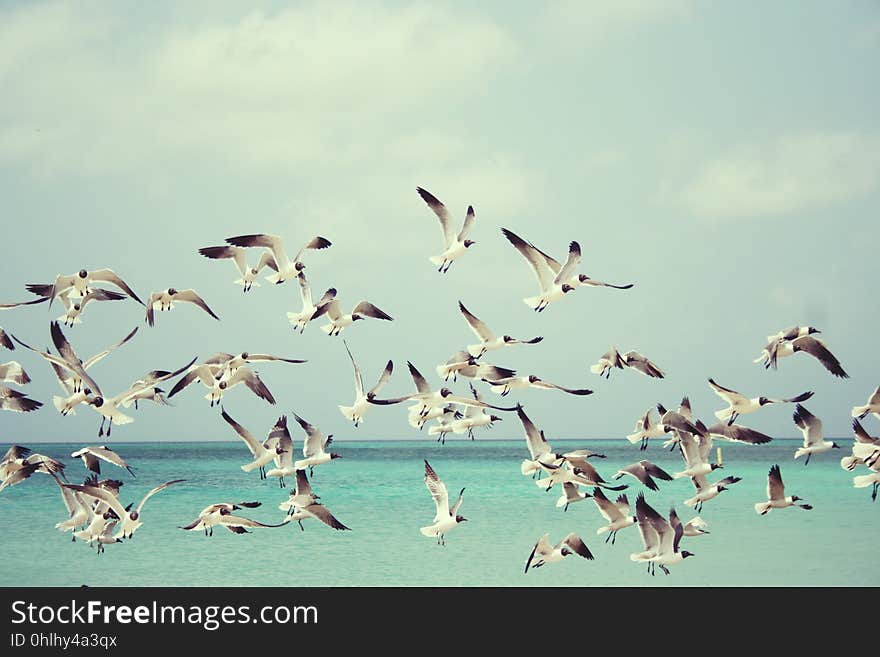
(799, 452)
(603, 529)
(561, 502)
(762, 507)
(680, 475)
(527, 467)
(347, 412)
(428, 531)
(544, 482)
(60, 403)
(597, 368)
(691, 502)
(250, 466)
(475, 350)
(327, 328)
(123, 419)
(848, 463)
(859, 411)
(437, 260)
(863, 481)
(723, 414)
(433, 431)
(634, 438)
(532, 302)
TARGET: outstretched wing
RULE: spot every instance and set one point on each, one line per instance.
(438, 492)
(109, 276)
(442, 214)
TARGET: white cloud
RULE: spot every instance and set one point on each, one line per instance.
(792, 174)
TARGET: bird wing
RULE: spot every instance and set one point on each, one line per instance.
(438, 492)
(383, 379)
(609, 510)
(861, 435)
(542, 549)
(254, 383)
(534, 257)
(442, 214)
(535, 440)
(303, 487)
(271, 242)
(571, 263)
(477, 326)
(577, 545)
(468, 224)
(106, 454)
(316, 243)
(367, 309)
(775, 487)
(552, 386)
(149, 380)
(102, 354)
(155, 490)
(305, 291)
(320, 512)
(732, 397)
(236, 253)
(254, 445)
(818, 350)
(102, 495)
(646, 515)
(109, 276)
(99, 294)
(677, 528)
(314, 442)
(73, 363)
(455, 507)
(190, 296)
(464, 401)
(421, 383)
(268, 358)
(738, 433)
(358, 379)
(809, 424)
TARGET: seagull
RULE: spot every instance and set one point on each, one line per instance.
(707, 491)
(776, 498)
(67, 367)
(239, 256)
(444, 423)
(339, 320)
(870, 456)
(873, 406)
(279, 437)
(636, 361)
(263, 452)
(578, 471)
(429, 399)
(696, 527)
(5, 341)
(739, 404)
(285, 269)
(79, 511)
(73, 308)
(695, 453)
(644, 471)
(570, 495)
(13, 400)
(542, 456)
(303, 504)
(314, 453)
(676, 421)
(358, 409)
(446, 519)
(474, 417)
(130, 519)
(92, 457)
(608, 361)
(859, 453)
(646, 429)
(737, 433)
(18, 464)
(488, 340)
(616, 513)
(505, 385)
(462, 363)
(811, 428)
(166, 299)
(544, 553)
(79, 285)
(108, 407)
(205, 374)
(309, 310)
(454, 245)
(222, 515)
(229, 363)
(13, 372)
(661, 539)
(552, 277)
(800, 339)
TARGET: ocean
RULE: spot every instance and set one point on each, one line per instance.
(377, 489)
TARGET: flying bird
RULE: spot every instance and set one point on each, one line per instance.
(447, 518)
(635, 360)
(811, 428)
(340, 320)
(488, 340)
(544, 553)
(455, 245)
(608, 361)
(776, 497)
(863, 447)
(873, 406)
(206, 373)
(13, 372)
(75, 307)
(616, 513)
(166, 299)
(646, 429)
(358, 409)
(799, 339)
(644, 471)
(570, 494)
(80, 284)
(303, 504)
(222, 515)
(739, 404)
(661, 538)
(553, 282)
(463, 364)
(284, 267)
(314, 447)
(505, 385)
(92, 457)
(13, 400)
(263, 452)
(474, 417)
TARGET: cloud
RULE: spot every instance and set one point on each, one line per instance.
(792, 174)
(581, 24)
(311, 85)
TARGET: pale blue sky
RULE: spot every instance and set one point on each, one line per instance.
(724, 156)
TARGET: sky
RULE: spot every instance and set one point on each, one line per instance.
(724, 157)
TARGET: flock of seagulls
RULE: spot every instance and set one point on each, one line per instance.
(98, 516)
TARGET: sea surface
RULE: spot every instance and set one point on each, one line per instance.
(377, 489)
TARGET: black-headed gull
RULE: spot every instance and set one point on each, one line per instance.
(544, 553)
(660, 538)
(776, 497)
(608, 361)
(488, 340)
(616, 513)
(79, 284)
(314, 447)
(92, 457)
(811, 428)
(206, 374)
(339, 320)
(302, 504)
(238, 255)
(222, 515)
(645, 472)
(707, 491)
(454, 245)
(873, 406)
(553, 282)
(166, 299)
(309, 308)
(76, 306)
(505, 385)
(446, 518)
(358, 409)
(284, 267)
(739, 404)
(799, 339)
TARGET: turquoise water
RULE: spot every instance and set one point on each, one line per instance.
(377, 489)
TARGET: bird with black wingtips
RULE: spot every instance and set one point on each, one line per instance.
(228, 363)
(646, 429)
(800, 339)
(570, 495)
(238, 255)
(706, 491)
(505, 385)
(92, 457)
(206, 374)
(553, 278)
(339, 320)
(607, 362)
(617, 514)
(738, 404)
(645, 472)
(695, 452)
(18, 402)
(302, 504)
(455, 244)
(80, 284)
(660, 538)
(13, 372)
(776, 497)
(310, 310)
(488, 340)
(284, 267)
(811, 428)
(446, 518)
(461, 363)
(314, 447)
(474, 417)
(75, 307)
(544, 553)
(263, 452)
(222, 515)
(872, 406)
(355, 413)
(166, 299)
(863, 447)
(636, 361)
